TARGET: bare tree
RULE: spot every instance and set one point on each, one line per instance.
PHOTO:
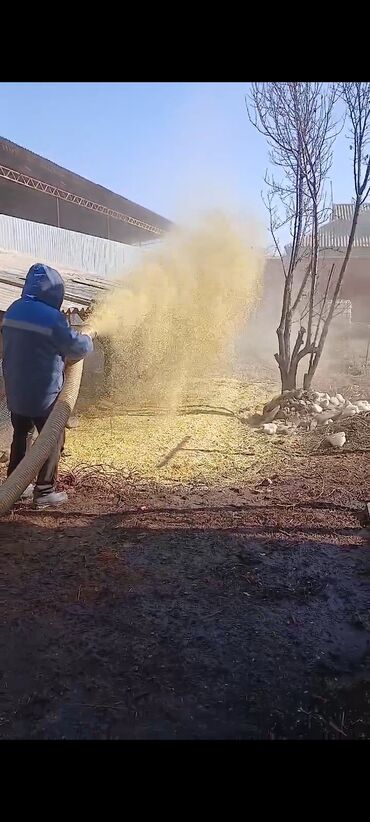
(356, 97)
(298, 120)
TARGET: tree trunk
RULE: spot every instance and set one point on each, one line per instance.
(307, 380)
(288, 376)
(308, 377)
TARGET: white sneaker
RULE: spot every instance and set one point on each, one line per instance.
(28, 493)
(50, 499)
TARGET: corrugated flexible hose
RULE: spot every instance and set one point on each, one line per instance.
(28, 468)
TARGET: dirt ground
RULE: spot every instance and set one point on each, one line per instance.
(197, 604)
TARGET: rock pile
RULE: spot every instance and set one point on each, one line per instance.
(295, 411)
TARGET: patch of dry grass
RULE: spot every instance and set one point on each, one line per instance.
(204, 444)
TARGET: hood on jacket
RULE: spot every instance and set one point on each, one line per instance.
(45, 284)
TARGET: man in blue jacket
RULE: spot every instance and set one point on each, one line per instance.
(36, 342)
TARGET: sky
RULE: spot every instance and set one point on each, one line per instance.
(172, 147)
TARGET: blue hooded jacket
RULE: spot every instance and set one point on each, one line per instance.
(36, 341)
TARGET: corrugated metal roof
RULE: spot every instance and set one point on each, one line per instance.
(331, 240)
(80, 289)
(335, 234)
(50, 194)
(344, 211)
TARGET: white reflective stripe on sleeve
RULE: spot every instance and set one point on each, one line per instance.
(22, 325)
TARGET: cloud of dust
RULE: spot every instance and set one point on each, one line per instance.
(177, 313)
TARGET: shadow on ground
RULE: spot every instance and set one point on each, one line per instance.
(114, 630)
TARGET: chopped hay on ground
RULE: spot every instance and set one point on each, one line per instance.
(206, 442)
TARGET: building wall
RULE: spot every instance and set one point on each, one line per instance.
(58, 246)
(356, 285)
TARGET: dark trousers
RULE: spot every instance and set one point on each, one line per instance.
(22, 427)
